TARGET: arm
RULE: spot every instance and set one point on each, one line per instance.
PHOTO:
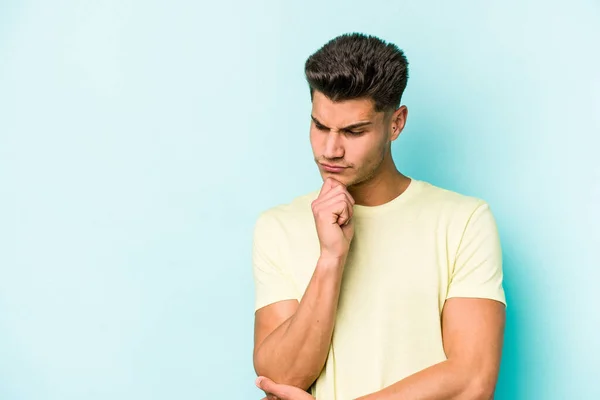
(473, 335)
(473, 321)
(292, 339)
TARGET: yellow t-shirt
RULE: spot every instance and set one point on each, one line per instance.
(406, 258)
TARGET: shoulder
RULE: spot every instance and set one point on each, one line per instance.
(296, 210)
(450, 205)
(459, 217)
(438, 195)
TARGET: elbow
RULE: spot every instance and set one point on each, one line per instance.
(291, 376)
(481, 389)
(301, 382)
(261, 366)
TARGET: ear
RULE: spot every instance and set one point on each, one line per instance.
(398, 121)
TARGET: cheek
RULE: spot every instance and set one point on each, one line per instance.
(367, 152)
(318, 143)
(370, 155)
(314, 141)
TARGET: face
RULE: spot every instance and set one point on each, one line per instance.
(352, 136)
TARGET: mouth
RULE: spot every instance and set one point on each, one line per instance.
(332, 168)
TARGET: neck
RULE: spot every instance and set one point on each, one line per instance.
(387, 184)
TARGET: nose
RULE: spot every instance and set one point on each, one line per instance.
(333, 146)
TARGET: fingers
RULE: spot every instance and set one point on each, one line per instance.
(277, 391)
(337, 209)
(330, 194)
(329, 184)
(333, 193)
(340, 208)
(274, 391)
(338, 203)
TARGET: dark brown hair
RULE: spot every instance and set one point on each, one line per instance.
(355, 65)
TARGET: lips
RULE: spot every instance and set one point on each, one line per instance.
(332, 168)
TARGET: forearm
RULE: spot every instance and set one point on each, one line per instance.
(444, 381)
(296, 351)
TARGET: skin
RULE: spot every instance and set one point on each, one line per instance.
(472, 329)
(371, 177)
(472, 336)
(291, 338)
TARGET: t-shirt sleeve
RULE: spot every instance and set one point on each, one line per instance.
(477, 269)
(272, 281)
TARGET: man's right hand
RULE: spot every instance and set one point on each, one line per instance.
(292, 338)
(333, 211)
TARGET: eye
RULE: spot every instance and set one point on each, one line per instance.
(355, 133)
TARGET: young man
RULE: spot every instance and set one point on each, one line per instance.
(376, 286)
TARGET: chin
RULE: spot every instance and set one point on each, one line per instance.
(345, 180)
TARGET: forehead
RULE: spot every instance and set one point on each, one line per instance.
(344, 112)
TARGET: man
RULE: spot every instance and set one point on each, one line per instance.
(378, 285)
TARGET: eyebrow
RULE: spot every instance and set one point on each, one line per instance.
(349, 127)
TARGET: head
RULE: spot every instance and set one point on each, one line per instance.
(356, 84)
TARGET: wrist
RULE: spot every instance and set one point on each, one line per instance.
(332, 261)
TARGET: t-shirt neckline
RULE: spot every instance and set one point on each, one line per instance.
(411, 190)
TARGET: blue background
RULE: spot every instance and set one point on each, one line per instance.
(139, 140)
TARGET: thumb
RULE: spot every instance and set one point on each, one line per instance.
(271, 387)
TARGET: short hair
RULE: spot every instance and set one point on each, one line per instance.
(356, 65)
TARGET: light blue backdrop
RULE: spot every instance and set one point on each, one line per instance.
(139, 140)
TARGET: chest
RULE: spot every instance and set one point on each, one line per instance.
(403, 262)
